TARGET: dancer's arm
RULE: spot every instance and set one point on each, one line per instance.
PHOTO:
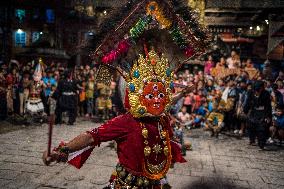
(116, 128)
(182, 93)
(81, 141)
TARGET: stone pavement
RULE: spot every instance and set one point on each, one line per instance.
(214, 163)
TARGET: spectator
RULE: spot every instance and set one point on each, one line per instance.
(67, 99)
(209, 85)
(215, 120)
(229, 97)
(241, 100)
(197, 99)
(184, 117)
(188, 100)
(249, 64)
(220, 85)
(233, 61)
(259, 106)
(276, 97)
(221, 64)
(90, 88)
(203, 110)
(210, 100)
(208, 65)
(280, 87)
(24, 91)
(48, 82)
(267, 71)
(51, 102)
(277, 128)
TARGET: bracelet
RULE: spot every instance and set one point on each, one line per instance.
(64, 149)
(63, 152)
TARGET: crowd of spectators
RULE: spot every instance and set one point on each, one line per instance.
(238, 105)
(17, 83)
(230, 104)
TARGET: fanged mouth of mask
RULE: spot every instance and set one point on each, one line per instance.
(156, 104)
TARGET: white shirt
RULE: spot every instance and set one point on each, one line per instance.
(225, 94)
(183, 117)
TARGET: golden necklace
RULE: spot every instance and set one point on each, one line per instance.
(151, 171)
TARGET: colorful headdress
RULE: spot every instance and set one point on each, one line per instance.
(38, 73)
(150, 68)
(168, 25)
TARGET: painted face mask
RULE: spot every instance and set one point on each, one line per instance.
(150, 86)
(154, 98)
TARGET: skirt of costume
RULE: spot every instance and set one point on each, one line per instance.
(34, 106)
(122, 179)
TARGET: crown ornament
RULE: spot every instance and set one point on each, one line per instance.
(152, 68)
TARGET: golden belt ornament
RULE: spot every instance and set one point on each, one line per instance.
(125, 180)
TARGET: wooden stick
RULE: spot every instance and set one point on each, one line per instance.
(50, 128)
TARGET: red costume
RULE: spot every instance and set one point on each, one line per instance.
(126, 131)
(137, 167)
(145, 151)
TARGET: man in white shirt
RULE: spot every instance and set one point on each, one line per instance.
(184, 118)
(233, 61)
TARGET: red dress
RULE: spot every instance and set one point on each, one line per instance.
(126, 131)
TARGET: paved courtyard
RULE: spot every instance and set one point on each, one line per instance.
(212, 164)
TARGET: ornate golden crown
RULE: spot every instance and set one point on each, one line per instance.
(150, 68)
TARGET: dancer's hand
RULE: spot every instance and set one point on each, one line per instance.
(49, 159)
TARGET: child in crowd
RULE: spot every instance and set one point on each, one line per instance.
(277, 128)
(181, 122)
(202, 113)
(220, 85)
(184, 117)
(188, 100)
(104, 103)
(210, 100)
(203, 109)
(197, 100)
(197, 120)
(209, 64)
(178, 137)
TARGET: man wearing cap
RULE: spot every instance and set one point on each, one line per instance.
(242, 93)
(259, 113)
(229, 97)
(66, 95)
